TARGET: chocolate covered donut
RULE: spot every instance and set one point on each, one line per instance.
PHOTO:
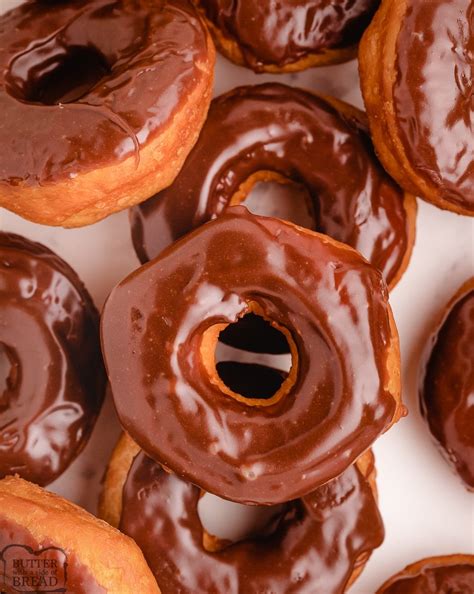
(101, 101)
(159, 331)
(416, 66)
(449, 574)
(274, 132)
(287, 35)
(319, 543)
(50, 361)
(447, 384)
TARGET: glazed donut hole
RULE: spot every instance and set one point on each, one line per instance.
(225, 523)
(270, 193)
(264, 386)
(54, 75)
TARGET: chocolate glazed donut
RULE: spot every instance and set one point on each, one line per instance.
(159, 331)
(449, 574)
(53, 376)
(274, 132)
(101, 101)
(287, 35)
(315, 544)
(416, 65)
(448, 384)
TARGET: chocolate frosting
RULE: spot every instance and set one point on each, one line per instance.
(272, 127)
(315, 546)
(433, 94)
(286, 31)
(331, 301)
(55, 385)
(18, 545)
(448, 385)
(87, 83)
(444, 579)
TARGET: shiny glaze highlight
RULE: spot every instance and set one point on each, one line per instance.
(434, 94)
(333, 303)
(315, 545)
(289, 131)
(283, 32)
(140, 56)
(49, 330)
(447, 390)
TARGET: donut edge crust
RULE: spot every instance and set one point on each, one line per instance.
(110, 504)
(230, 49)
(377, 68)
(48, 517)
(437, 561)
(94, 195)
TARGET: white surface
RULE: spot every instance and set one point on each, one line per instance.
(425, 508)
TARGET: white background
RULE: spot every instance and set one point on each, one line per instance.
(425, 508)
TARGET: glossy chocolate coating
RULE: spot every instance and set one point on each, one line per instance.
(436, 579)
(18, 545)
(448, 385)
(49, 331)
(283, 32)
(433, 94)
(276, 128)
(332, 302)
(314, 547)
(115, 72)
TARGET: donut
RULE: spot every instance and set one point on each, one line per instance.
(447, 383)
(159, 332)
(48, 544)
(319, 543)
(52, 378)
(288, 35)
(416, 76)
(434, 575)
(273, 132)
(101, 101)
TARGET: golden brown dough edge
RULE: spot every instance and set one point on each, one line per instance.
(52, 519)
(94, 195)
(414, 568)
(377, 67)
(110, 506)
(230, 49)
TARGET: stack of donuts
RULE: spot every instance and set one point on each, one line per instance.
(106, 105)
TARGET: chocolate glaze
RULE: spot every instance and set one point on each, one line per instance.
(251, 380)
(283, 32)
(56, 384)
(14, 537)
(332, 302)
(448, 385)
(434, 94)
(276, 128)
(432, 579)
(121, 71)
(316, 544)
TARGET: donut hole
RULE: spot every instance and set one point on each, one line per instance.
(225, 522)
(253, 360)
(271, 194)
(8, 372)
(64, 76)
